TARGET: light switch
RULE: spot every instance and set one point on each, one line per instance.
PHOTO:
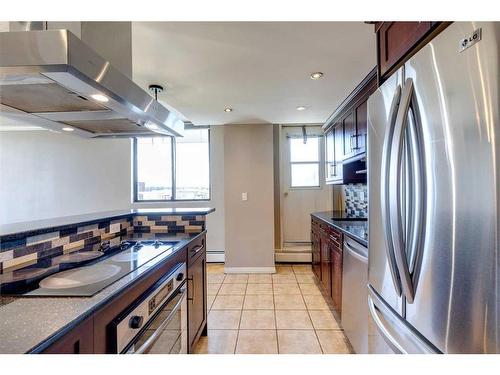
(244, 196)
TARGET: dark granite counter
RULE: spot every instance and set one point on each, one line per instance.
(30, 228)
(27, 324)
(356, 228)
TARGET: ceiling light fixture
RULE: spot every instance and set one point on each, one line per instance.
(155, 89)
(152, 126)
(301, 108)
(316, 75)
(228, 110)
(100, 98)
(68, 129)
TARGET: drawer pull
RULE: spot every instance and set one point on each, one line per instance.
(196, 249)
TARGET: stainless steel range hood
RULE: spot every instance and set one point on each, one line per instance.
(54, 79)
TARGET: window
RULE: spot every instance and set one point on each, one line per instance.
(304, 162)
(168, 168)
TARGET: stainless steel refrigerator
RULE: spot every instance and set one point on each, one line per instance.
(433, 184)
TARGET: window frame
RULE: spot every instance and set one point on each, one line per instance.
(174, 169)
(290, 163)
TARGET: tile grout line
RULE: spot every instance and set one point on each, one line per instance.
(241, 317)
(309, 315)
(275, 319)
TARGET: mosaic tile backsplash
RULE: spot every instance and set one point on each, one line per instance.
(169, 224)
(20, 251)
(356, 200)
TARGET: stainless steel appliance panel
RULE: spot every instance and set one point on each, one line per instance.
(167, 332)
(455, 103)
(76, 78)
(355, 295)
(382, 271)
(157, 321)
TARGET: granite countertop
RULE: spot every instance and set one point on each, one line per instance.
(28, 322)
(49, 224)
(357, 229)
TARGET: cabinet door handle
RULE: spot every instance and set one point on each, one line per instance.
(192, 288)
(354, 137)
(196, 249)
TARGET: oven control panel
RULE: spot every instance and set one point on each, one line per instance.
(161, 296)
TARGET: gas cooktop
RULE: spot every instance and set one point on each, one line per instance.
(81, 274)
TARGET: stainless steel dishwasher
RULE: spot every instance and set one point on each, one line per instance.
(355, 295)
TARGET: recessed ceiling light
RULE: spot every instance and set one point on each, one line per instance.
(316, 75)
(68, 129)
(152, 126)
(301, 108)
(228, 110)
(99, 98)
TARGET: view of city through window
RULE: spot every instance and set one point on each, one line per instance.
(156, 176)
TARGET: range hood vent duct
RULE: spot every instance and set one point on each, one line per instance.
(52, 78)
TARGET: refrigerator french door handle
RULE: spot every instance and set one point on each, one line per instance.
(395, 188)
(418, 189)
(386, 157)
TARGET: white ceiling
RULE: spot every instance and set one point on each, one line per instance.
(260, 69)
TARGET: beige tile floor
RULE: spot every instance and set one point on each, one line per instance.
(283, 313)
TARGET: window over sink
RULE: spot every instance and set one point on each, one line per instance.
(172, 169)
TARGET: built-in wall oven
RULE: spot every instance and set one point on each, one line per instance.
(156, 323)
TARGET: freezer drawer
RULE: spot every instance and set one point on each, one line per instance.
(399, 336)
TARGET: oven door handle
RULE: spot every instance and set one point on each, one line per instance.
(152, 339)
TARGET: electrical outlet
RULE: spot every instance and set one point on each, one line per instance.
(244, 196)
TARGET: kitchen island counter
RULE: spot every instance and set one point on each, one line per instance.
(31, 324)
(37, 227)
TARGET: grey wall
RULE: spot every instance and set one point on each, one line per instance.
(44, 174)
(249, 225)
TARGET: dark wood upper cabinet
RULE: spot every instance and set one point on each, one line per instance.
(334, 151)
(361, 127)
(397, 41)
(349, 134)
(346, 129)
(338, 131)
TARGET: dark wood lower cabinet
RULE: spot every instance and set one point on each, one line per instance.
(326, 265)
(337, 280)
(327, 260)
(316, 254)
(197, 300)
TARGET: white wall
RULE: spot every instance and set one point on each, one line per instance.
(44, 174)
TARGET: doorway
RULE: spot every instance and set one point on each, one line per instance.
(303, 189)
